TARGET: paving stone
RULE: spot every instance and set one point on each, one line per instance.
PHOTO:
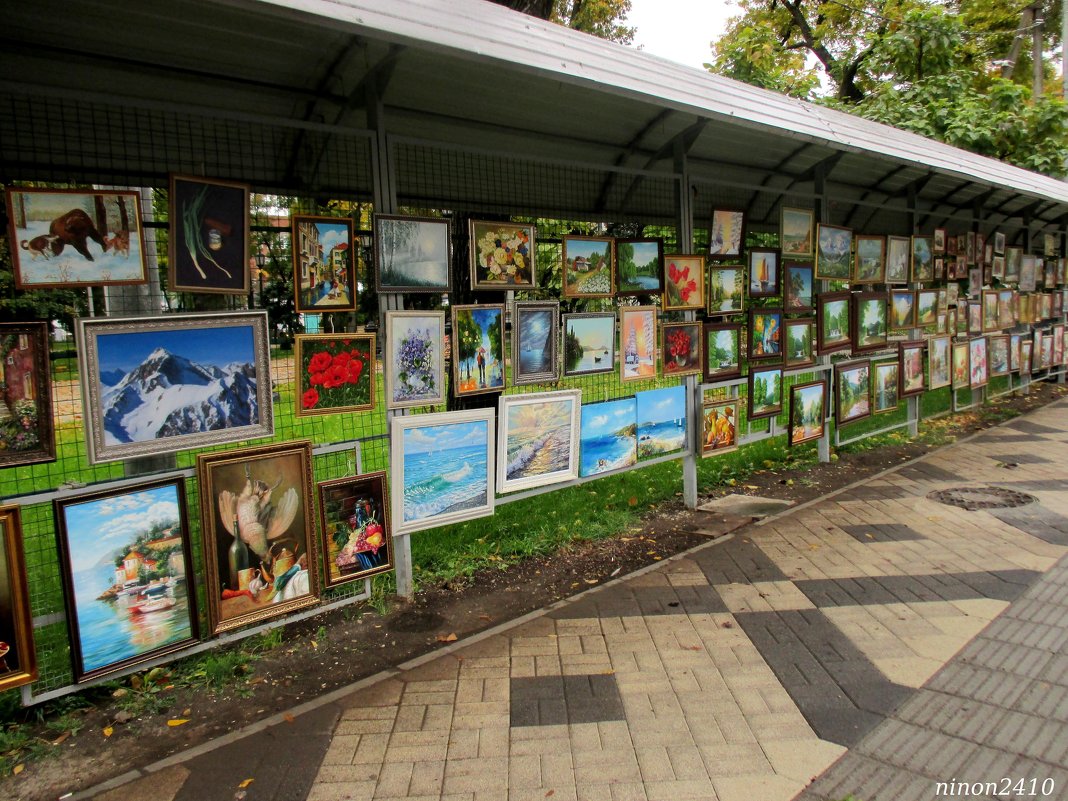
(1031, 427)
(1018, 458)
(882, 532)
(925, 471)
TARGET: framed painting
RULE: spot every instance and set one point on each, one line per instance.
(765, 392)
(902, 309)
(1044, 349)
(977, 362)
(324, 264)
(1049, 248)
(797, 288)
(998, 355)
(412, 254)
(209, 235)
(502, 255)
(608, 436)
(535, 334)
(887, 378)
(961, 375)
(765, 335)
(963, 310)
(795, 232)
(26, 432)
(442, 468)
(127, 570)
(990, 310)
(998, 268)
(161, 384)
(910, 356)
(414, 363)
(682, 349)
(975, 318)
(1047, 306)
(869, 321)
(969, 246)
(1014, 352)
(477, 349)
(723, 351)
(354, 528)
(727, 235)
(852, 392)
(639, 266)
(70, 238)
(800, 342)
(684, 282)
(833, 252)
(257, 518)
(999, 242)
(926, 307)
(335, 373)
(898, 253)
(939, 268)
(763, 272)
(726, 289)
(938, 362)
(1027, 362)
(808, 412)
(832, 322)
(661, 416)
(538, 439)
(1013, 263)
(1058, 344)
(589, 343)
(922, 259)
(719, 427)
(18, 661)
(637, 340)
(938, 243)
(869, 266)
(588, 266)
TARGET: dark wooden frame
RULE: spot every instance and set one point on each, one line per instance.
(771, 412)
(727, 373)
(839, 370)
(880, 278)
(921, 346)
(894, 292)
(552, 343)
(818, 273)
(854, 323)
(775, 285)
(787, 325)
(623, 293)
(378, 479)
(563, 348)
(750, 350)
(21, 619)
(708, 283)
(846, 343)
(787, 295)
(565, 270)
(37, 334)
(875, 367)
(795, 390)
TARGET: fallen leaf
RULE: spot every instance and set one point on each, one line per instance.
(590, 581)
(15, 771)
(288, 718)
(692, 648)
(485, 617)
(550, 793)
(245, 784)
(632, 501)
(727, 624)
(108, 731)
(447, 637)
(119, 693)
(177, 722)
(122, 716)
(59, 740)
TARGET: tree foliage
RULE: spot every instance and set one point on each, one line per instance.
(602, 18)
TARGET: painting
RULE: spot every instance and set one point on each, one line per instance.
(684, 282)
(998, 268)
(795, 232)
(902, 309)
(938, 245)
(853, 397)
(961, 375)
(898, 253)
(926, 308)
(412, 254)
(682, 349)
(1027, 363)
(1014, 352)
(1044, 349)
(69, 238)
(765, 334)
(18, 662)
(335, 373)
(797, 288)
(765, 392)
(869, 321)
(800, 346)
(589, 343)
(719, 427)
(442, 468)
(535, 334)
(26, 430)
(661, 415)
(1057, 333)
(833, 252)
(502, 255)
(723, 351)
(910, 356)
(808, 411)
(609, 438)
(975, 317)
(324, 264)
(1013, 263)
(637, 340)
(414, 363)
(977, 362)
(922, 259)
(209, 234)
(887, 377)
(938, 362)
(354, 528)
(998, 355)
(588, 266)
(639, 266)
(999, 242)
(870, 263)
(538, 439)
(832, 316)
(727, 235)
(990, 310)
(763, 272)
(477, 349)
(160, 384)
(726, 289)
(127, 574)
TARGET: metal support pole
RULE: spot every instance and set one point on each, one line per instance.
(684, 208)
(912, 408)
(823, 444)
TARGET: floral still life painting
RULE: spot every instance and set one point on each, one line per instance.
(682, 349)
(355, 528)
(684, 282)
(502, 255)
(335, 373)
(414, 365)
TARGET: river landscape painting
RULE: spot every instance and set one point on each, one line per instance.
(609, 436)
(538, 439)
(661, 415)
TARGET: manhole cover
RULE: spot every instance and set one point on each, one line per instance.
(972, 499)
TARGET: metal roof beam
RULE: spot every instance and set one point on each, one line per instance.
(629, 149)
(876, 189)
(678, 146)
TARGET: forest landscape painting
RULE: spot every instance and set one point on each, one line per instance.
(538, 439)
(609, 438)
(661, 415)
(411, 254)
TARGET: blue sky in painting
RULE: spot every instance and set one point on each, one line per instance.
(218, 346)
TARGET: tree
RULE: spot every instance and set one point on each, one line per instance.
(601, 18)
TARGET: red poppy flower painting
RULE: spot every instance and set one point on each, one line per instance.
(335, 373)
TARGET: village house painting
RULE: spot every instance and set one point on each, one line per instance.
(26, 412)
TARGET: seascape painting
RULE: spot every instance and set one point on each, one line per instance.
(609, 439)
(413, 365)
(535, 331)
(477, 349)
(639, 266)
(589, 343)
(763, 272)
(661, 415)
(538, 439)
(411, 254)
(638, 342)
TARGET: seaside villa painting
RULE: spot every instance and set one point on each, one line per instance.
(538, 439)
(609, 436)
(661, 421)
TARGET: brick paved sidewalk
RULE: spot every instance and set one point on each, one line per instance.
(741, 670)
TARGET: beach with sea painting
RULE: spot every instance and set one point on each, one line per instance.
(444, 469)
(661, 415)
(608, 436)
(539, 438)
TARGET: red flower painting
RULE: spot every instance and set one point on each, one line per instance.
(336, 373)
(685, 285)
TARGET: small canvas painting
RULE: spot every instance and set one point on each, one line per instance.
(588, 266)
(719, 427)
(726, 288)
(661, 415)
(684, 282)
(502, 255)
(998, 354)
(797, 292)
(870, 267)
(727, 235)
(324, 264)
(808, 411)
(765, 392)
(535, 332)
(765, 334)
(897, 259)
(413, 364)
(800, 342)
(853, 382)
(538, 439)
(723, 351)
(834, 247)
(977, 361)
(902, 309)
(609, 436)
(763, 272)
(887, 385)
(335, 373)
(589, 343)
(354, 528)
(411, 254)
(833, 322)
(869, 322)
(637, 340)
(795, 232)
(682, 349)
(961, 374)
(922, 259)
(209, 235)
(477, 349)
(939, 361)
(911, 357)
(639, 266)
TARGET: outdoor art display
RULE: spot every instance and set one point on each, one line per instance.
(18, 662)
(961, 374)
(939, 361)
(26, 431)
(412, 254)
(800, 345)
(682, 349)
(834, 247)
(898, 254)
(765, 392)
(887, 378)
(808, 411)
(588, 266)
(853, 392)
(324, 266)
(926, 308)
(797, 288)
(335, 373)
(661, 416)
(911, 358)
(637, 340)
(765, 334)
(414, 364)
(127, 573)
(726, 288)
(538, 439)
(870, 262)
(727, 236)
(1013, 263)
(589, 343)
(477, 349)
(977, 361)
(354, 535)
(684, 282)
(869, 321)
(535, 334)
(723, 351)
(832, 316)
(998, 355)
(609, 438)
(161, 384)
(902, 309)
(502, 255)
(208, 245)
(68, 238)
(719, 427)
(922, 259)
(795, 232)
(639, 266)
(763, 272)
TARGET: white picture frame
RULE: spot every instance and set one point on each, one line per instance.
(562, 412)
